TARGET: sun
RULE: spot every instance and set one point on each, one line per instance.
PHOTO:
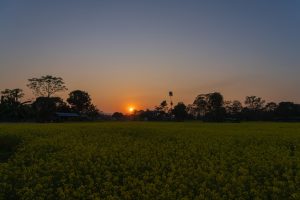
(131, 109)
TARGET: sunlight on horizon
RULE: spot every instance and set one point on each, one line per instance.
(131, 109)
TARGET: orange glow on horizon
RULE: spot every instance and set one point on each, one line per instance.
(131, 109)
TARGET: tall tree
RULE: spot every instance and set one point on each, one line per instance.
(92, 112)
(253, 109)
(79, 100)
(215, 101)
(163, 107)
(180, 112)
(118, 116)
(210, 106)
(254, 103)
(46, 86)
(162, 111)
(270, 107)
(200, 105)
(215, 109)
(11, 96)
(287, 111)
(269, 111)
(192, 111)
(11, 109)
(46, 107)
(233, 108)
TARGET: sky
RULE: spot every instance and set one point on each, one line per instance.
(134, 52)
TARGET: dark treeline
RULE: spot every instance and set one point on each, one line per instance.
(47, 107)
(211, 107)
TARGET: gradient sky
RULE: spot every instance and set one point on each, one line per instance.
(134, 52)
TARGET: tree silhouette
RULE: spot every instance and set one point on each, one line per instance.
(200, 105)
(210, 106)
(254, 103)
(233, 110)
(11, 109)
(11, 96)
(179, 111)
(287, 111)
(269, 111)
(46, 107)
(161, 111)
(253, 109)
(270, 107)
(163, 107)
(46, 86)
(215, 101)
(233, 107)
(215, 109)
(118, 116)
(79, 100)
(92, 112)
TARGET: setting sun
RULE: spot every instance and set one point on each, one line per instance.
(131, 109)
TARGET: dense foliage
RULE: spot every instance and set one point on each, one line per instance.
(152, 161)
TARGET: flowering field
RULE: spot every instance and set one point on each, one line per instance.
(136, 160)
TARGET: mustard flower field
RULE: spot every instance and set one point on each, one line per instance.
(150, 160)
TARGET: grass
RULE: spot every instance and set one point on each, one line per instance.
(145, 160)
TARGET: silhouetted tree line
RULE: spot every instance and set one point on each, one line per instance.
(46, 106)
(211, 107)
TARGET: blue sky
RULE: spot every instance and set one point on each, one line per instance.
(134, 52)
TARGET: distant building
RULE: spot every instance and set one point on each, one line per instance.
(61, 116)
